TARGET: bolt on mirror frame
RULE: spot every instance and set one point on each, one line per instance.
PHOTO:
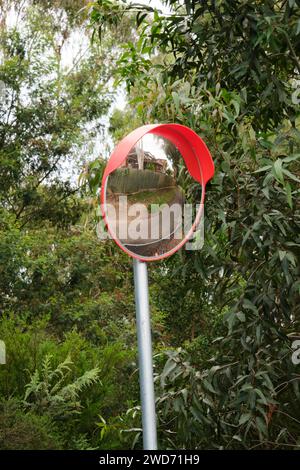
(195, 154)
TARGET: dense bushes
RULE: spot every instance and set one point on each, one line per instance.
(69, 381)
(232, 308)
(25, 431)
(229, 71)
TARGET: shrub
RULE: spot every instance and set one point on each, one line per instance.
(26, 431)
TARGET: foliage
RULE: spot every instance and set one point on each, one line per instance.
(230, 71)
(244, 404)
(57, 273)
(223, 318)
(44, 121)
(255, 51)
(60, 294)
(25, 431)
(49, 391)
(122, 122)
(45, 383)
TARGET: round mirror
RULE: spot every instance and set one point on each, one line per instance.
(146, 198)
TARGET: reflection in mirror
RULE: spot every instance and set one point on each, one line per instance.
(145, 198)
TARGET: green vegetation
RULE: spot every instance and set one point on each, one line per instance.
(225, 317)
(142, 186)
(162, 196)
(131, 180)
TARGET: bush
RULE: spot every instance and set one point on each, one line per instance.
(26, 431)
(72, 393)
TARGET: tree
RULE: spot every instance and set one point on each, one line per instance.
(47, 113)
(59, 295)
(230, 71)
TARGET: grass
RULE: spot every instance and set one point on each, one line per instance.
(160, 196)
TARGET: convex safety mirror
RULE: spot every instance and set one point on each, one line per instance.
(146, 189)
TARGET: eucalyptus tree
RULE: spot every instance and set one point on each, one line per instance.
(230, 70)
(52, 100)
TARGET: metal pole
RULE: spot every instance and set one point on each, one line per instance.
(145, 354)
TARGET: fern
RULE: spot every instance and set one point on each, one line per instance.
(71, 391)
(48, 390)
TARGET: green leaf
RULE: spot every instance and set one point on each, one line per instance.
(140, 17)
(277, 170)
(282, 254)
(264, 168)
(209, 386)
(290, 175)
(261, 395)
(244, 418)
(291, 158)
(236, 105)
(249, 305)
(241, 316)
(262, 428)
(289, 199)
(169, 366)
(176, 100)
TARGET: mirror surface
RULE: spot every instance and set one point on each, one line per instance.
(146, 198)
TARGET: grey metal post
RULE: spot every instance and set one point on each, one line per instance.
(145, 354)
